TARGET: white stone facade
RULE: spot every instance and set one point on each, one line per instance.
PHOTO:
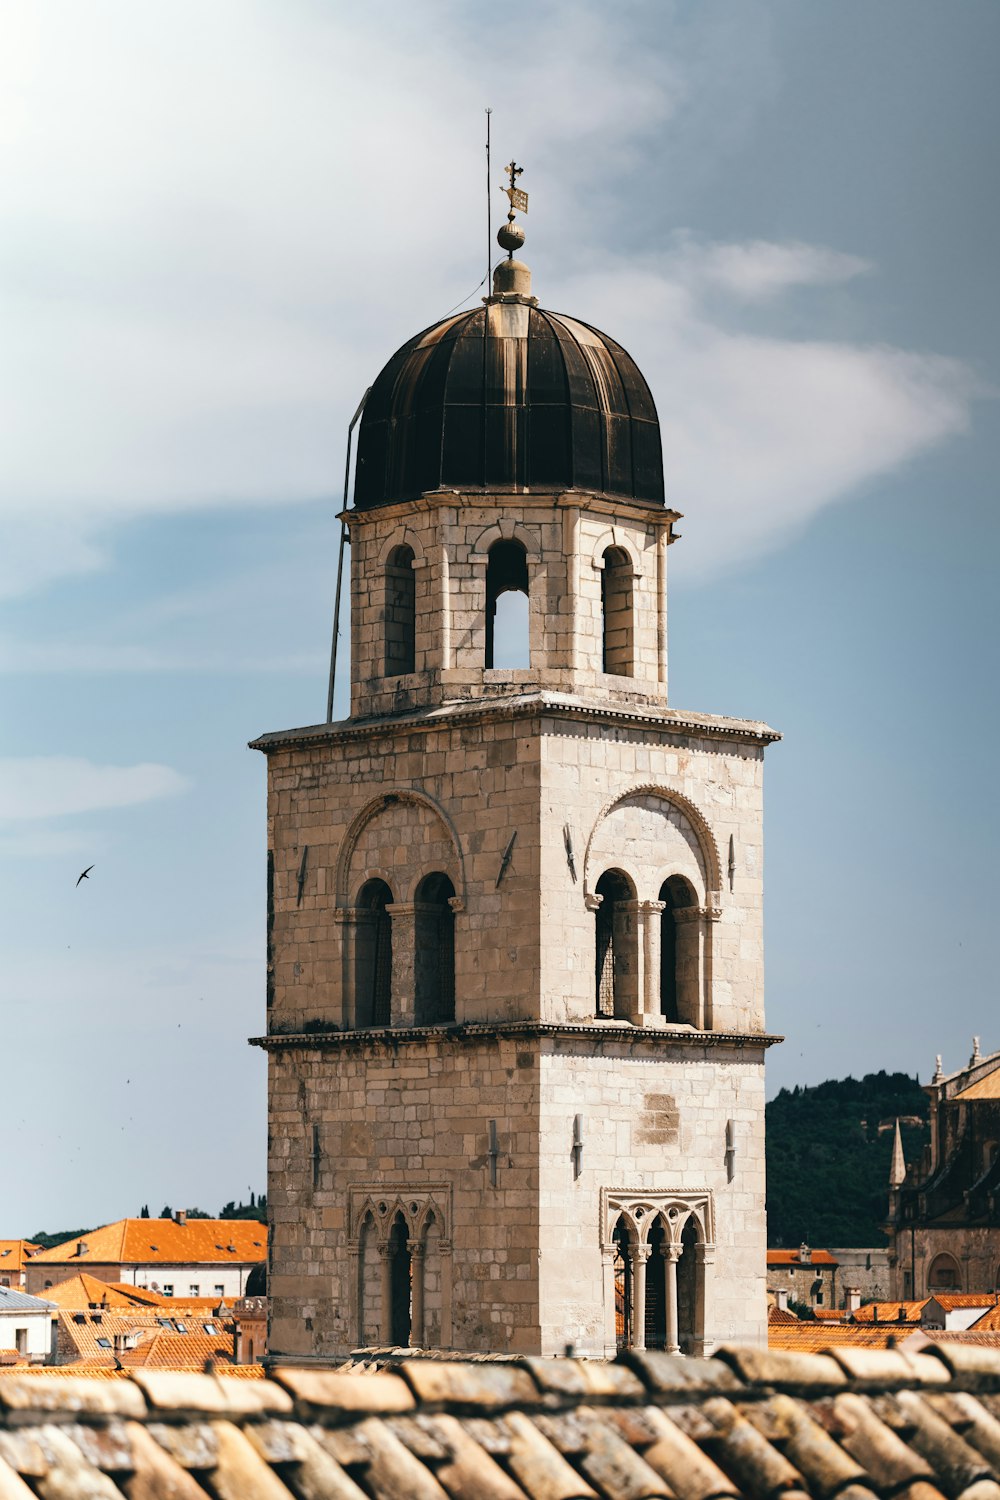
(564, 1142)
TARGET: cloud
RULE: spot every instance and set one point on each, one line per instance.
(761, 433)
(55, 786)
(759, 270)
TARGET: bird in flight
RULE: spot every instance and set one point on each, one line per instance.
(85, 874)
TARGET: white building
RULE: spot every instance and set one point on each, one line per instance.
(25, 1324)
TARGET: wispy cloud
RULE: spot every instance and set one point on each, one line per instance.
(759, 270)
(56, 786)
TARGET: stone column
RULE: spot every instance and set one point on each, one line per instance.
(355, 1293)
(404, 915)
(385, 1321)
(688, 922)
(671, 1255)
(649, 913)
(348, 920)
(628, 960)
(639, 1254)
(416, 1249)
(704, 1259)
(444, 1250)
(608, 1274)
(444, 565)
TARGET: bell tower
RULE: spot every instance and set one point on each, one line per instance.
(515, 971)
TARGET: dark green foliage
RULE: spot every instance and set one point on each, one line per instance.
(252, 1210)
(144, 1211)
(802, 1310)
(828, 1161)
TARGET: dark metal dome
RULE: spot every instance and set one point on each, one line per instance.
(509, 397)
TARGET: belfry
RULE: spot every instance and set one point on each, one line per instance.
(515, 1024)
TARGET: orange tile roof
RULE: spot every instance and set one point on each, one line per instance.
(174, 1351)
(989, 1320)
(82, 1367)
(14, 1253)
(791, 1258)
(889, 1312)
(83, 1291)
(984, 1088)
(813, 1338)
(164, 1242)
(830, 1314)
(780, 1315)
(949, 1301)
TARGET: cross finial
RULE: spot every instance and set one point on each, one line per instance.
(511, 235)
(513, 170)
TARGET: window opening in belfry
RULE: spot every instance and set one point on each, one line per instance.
(690, 1296)
(400, 612)
(615, 966)
(507, 606)
(618, 644)
(400, 1283)
(623, 1286)
(656, 1291)
(373, 956)
(943, 1275)
(434, 951)
(678, 953)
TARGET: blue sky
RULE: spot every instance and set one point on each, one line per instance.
(218, 222)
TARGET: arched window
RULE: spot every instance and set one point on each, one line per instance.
(434, 951)
(400, 1283)
(690, 1292)
(623, 1286)
(678, 953)
(373, 956)
(507, 606)
(618, 641)
(400, 612)
(656, 1289)
(615, 974)
(944, 1275)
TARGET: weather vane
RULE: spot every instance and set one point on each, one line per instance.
(510, 236)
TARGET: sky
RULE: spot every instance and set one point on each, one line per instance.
(219, 220)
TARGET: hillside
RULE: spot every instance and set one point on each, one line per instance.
(828, 1154)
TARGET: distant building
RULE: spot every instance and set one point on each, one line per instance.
(806, 1275)
(180, 1257)
(25, 1324)
(944, 1210)
(14, 1255)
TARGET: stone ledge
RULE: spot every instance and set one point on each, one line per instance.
(391, 1039)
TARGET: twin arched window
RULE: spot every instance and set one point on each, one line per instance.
(617, 949)
(428, 971)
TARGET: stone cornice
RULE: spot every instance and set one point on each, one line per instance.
(535, 705)
(393, 1039)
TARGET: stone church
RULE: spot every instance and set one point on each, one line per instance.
(515, 965)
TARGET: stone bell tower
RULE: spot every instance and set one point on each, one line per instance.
(515, 980)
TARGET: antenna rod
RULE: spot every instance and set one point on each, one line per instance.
(489, 206)
(340, 561)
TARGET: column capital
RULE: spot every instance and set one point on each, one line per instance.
(640, 1252)
(651, 908)
(672, 1252)
(416, 1248)
(592, 901)
(403, 908)
(386, 1250)
(456, 903)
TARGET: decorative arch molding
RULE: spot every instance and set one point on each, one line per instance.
(381, 1206)
(703, 833)
(614, 537)
(403, 538)
(640, 1210)
(374, 872)
(505, 530)
(386, 798)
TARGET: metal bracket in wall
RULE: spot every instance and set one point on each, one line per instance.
(577, 1144)
(506, 858)
(730, 1150)
(732, 861)
(493, 1153)
(568, 842)
(301, 877)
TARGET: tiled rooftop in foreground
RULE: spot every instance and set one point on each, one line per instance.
(853, 1424)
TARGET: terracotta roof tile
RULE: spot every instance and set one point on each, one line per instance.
(750, 1423)
(781, 1315)
(164, 1241)
(889, 1312)
(949, 1301)
(791, 1258)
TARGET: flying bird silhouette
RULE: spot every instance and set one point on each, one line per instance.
(85, 874)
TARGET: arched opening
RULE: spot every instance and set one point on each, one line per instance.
(615, 956)
(434, 951)
(944, 1274)
(678, 953)
(400, 1283)
(618, 636)
(373, 956)
(507, 606)
(623, 1285)
(369, 1286)
(433, 1285)
(690, 1298)
(400, 612)
(656, 1289)
(250, 1355)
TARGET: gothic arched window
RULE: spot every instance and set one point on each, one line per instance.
(944, 1275)
(615, 972)
(618, 638)
(679, 964)
(400, 1283)
(507, 606)
(623, 1285)
(373, 956)
(434, 951)
(400, 612)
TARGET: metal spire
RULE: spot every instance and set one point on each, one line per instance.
(897, 1172)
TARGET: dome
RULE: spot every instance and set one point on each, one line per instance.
(508, 396)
